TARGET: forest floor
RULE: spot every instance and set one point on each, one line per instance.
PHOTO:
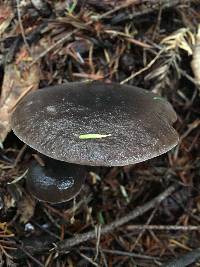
(146, 214)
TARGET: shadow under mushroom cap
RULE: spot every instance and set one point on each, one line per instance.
(94, 123)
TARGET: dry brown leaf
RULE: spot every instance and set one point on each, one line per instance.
(6, 15)
(9, 202)
(17, 80)
(195, 64)
(26, 208)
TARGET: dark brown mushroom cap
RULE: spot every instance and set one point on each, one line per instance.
(55, 182)
(94, 123)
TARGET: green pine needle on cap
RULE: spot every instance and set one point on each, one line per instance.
(93, 136)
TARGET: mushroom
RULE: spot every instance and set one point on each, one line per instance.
(96, 123)
(56, 181)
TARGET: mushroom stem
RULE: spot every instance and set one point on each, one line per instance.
(55, 182)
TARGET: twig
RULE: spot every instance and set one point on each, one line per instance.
(88, 259)
(164, 227)
(62, 40)
(20, 154)
(129, 38)
(166, 3)
(196, 58)
(98, 237)
(190, 78)
(155, 5)
(80, 238)
(121, 253)
(110, 12)
(20, 98)
(30, 256)
(184, 260)
(133, 75)
(103, 258)
(19, 178)
(143, 229)
(21, 26)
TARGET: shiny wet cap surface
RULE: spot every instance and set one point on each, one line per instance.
(55, 182)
